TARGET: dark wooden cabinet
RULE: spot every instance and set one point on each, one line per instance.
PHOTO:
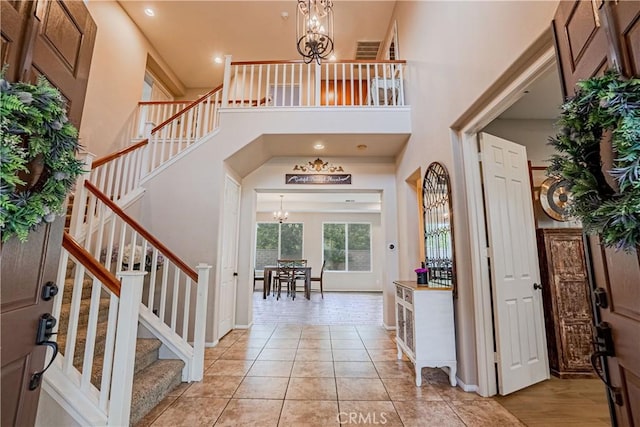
(567, 302)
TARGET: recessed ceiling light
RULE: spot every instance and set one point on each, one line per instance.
(149, 12)
(318, 146)
(332, 57)
(217, 60)
(361, 147)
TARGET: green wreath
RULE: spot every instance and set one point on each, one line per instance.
(606, 205)
(36, 136)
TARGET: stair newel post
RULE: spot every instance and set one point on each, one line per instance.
(124, 355)
(80, 196)
(202, 292)
(226, 81)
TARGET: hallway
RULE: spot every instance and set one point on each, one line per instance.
(293, 375)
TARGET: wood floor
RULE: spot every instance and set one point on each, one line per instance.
(556, 402)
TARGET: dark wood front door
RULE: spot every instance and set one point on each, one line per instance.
(54, 39)
(26, 268)
(616, 275)
(50, 38)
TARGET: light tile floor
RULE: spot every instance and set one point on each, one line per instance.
(297, 375)
(289, 371)
(336, 308)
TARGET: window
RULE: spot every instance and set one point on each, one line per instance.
(347, 247)
(277, 241)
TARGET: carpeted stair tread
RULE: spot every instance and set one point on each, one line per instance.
(146, 354)
(152, 384)
(83, 318)
(68, 289)
(81, 338)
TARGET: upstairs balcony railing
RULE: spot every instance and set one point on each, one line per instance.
(172, 127)
(269, 84)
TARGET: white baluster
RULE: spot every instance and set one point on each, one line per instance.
(174, 303)
(80, 197)
(226, 80)
(185, 309)
(197, 367)
(107, 365)
(125, 347)
(90, 343)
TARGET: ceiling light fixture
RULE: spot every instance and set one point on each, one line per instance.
(149, 12)
(281, 215)
(217, 60)
(319, 146)
(314, 29)
(362, 147)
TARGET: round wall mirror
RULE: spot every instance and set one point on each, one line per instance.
(438, 228)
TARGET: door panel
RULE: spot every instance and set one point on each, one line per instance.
(518, 316)
(581, 43)
(26, 267)
(230, 221)
(626, 22)
(14, 25)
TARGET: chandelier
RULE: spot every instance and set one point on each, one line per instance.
(281, 215)
(314, 29)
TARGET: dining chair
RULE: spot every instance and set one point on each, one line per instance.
(284, 274)
(319, 279)
(257, 278)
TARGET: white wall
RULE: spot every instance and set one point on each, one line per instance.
(368, 175)
(115, 80)
(454, 51)
(370, 281)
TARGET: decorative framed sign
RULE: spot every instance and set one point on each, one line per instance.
(293, 178)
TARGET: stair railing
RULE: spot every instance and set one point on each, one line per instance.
(73, 380)
(174, 301)
(120, 174)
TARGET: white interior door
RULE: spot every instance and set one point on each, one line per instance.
(517, 306)
(229, 259)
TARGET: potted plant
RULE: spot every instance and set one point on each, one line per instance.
(38, 164)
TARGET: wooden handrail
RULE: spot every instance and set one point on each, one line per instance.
(185, 109)
(98, 270)
(106, 159)
(164, 102)
(142, 232)
(346, 61)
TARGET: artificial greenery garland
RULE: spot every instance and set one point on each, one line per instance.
(602, 106)
(34, 129)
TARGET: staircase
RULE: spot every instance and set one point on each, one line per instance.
(153, 378)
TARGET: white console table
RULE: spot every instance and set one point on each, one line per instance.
(425, 330)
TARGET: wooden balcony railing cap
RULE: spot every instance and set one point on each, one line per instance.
(106, 159)
(187, 108)
(90, 263)
(339, 61)
(142, 232)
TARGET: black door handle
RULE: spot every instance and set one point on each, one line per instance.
(46, 323)
(49, 290)
(604, 348)
(537, 286)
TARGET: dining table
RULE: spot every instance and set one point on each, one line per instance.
(269, 271)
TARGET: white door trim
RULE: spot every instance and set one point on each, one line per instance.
(489, 106)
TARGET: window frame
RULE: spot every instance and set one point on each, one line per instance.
(346, 245)
(255, 241)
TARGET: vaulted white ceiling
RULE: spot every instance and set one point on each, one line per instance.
(189, 34)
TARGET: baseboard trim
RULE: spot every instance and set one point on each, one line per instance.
(469, 388)
(243, 326)
(211, 344)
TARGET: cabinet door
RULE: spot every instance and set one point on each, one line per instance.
(409, 330)
(581, 43)
(400, 321)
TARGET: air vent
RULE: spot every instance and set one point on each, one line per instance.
(367, 50)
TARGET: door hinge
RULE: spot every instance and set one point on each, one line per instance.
(486, 252)
(496, 357)
(479, 156)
